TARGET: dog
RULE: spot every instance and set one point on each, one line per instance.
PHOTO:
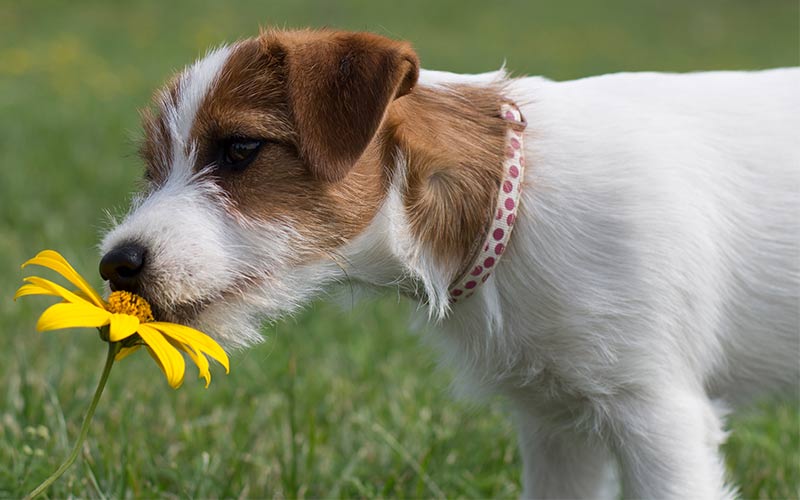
(650, 283)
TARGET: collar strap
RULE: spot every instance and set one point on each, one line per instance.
(505, 213)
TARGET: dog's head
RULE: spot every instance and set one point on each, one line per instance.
(263, 158)
(286, 162)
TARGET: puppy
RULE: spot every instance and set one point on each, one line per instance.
(650, 281)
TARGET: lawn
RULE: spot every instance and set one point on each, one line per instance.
(333, 403)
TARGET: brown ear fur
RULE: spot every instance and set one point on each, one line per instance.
(454, 142)
(339, 85)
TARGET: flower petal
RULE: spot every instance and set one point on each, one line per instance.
(168, 357)
(64, 315)
(202, 364)
(126, 351)
(122, 326)
(41, 286)
(29, 289)
(197, 340)
(198, 358)
(53, 260)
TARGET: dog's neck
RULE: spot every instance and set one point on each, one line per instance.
(450, 142)
(453, 142)
(504, 214)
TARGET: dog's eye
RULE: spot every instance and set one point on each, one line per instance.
(237, 153)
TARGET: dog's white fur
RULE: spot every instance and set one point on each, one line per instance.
(653, 273)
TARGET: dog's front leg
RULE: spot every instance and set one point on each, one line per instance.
(667, 443)
(563, 463)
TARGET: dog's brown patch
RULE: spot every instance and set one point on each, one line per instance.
(454, 141)
(338, 86)
(317, 98)
(156, 149)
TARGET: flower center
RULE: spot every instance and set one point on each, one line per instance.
(122, 302)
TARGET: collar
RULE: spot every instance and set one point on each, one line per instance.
(502, 223)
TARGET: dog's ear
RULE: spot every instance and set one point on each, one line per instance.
(339, 85)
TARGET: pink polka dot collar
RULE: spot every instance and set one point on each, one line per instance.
(505, 214)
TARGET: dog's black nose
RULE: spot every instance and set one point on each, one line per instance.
(123, 265)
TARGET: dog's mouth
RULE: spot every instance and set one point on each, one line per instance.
(183, 314)
(187, 312)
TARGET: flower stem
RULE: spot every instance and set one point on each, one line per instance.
(113, 349)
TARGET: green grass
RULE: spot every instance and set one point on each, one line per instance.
(333, 404)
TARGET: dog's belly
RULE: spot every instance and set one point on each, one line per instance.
(657, 239)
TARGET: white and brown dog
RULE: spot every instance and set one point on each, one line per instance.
(653, 270)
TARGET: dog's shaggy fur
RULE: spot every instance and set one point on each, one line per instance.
(652, 278)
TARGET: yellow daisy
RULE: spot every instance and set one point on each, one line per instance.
(127, 316)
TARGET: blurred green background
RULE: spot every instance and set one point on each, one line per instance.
(333, 403)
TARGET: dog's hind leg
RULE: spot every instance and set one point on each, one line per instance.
(563, 463)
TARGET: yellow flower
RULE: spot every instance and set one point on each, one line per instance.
(127, 316)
